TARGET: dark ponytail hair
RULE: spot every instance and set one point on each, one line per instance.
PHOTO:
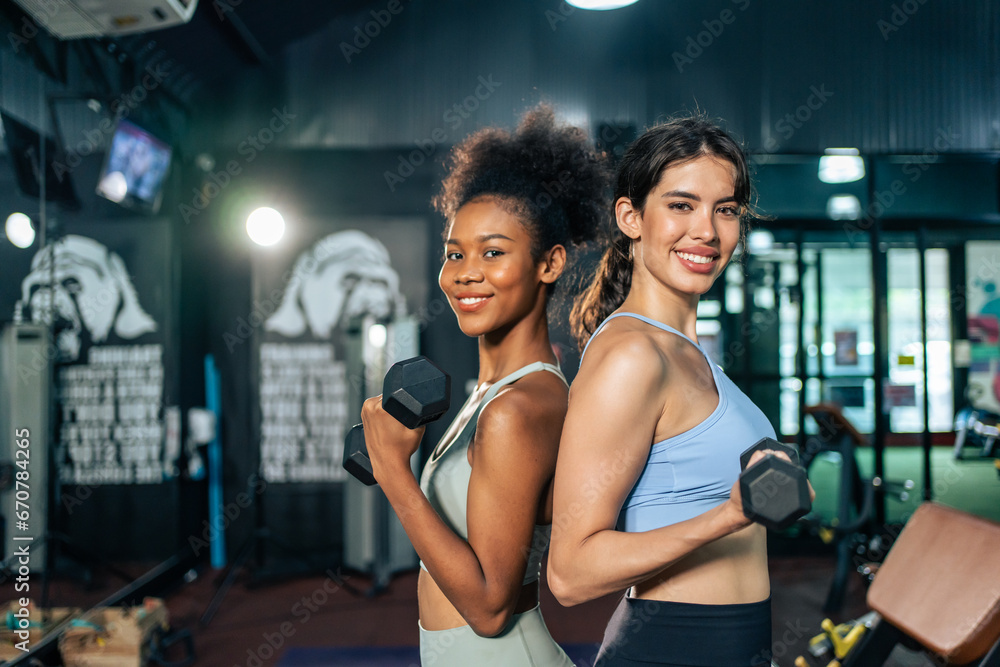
(663, 146)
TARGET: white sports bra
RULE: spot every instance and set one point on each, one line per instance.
(445, 479)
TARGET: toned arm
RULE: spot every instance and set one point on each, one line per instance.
(513, 461)
(616, 403)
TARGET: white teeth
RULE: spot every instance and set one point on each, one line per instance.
(471, 300)
(697, 259)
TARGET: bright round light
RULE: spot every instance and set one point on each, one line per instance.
(19, 230)
(377, 335)
(601, 5)
(265, 226)
(114, 186)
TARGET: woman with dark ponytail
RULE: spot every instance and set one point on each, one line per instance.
(646, 492)
(481, 514)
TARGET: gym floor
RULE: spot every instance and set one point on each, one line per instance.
(315, 623)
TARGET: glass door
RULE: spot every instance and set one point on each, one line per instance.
(918, 391)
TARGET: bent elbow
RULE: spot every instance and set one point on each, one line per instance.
(490, 624)
(563, 589)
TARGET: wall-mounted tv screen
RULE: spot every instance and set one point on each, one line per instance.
(24, 146)
(135, 168)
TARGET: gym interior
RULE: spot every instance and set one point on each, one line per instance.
(182, 357)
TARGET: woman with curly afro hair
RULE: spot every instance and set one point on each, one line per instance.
(481, 515)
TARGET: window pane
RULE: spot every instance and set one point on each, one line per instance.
(847, 345)
(904, 395)
(939, 370)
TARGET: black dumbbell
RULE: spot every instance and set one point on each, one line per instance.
(775, 492)
(415, 392)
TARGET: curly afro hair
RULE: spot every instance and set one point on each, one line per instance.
(548, 175)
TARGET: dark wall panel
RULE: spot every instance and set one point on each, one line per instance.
(786, 76)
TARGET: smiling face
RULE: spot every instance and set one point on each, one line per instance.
(489, 276)
(689, 228)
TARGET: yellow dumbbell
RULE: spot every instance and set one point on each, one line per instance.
(821, 644)
(842, 643)
(801, 662)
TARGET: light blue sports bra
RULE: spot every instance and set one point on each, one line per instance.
(692, 472)
(445, 479)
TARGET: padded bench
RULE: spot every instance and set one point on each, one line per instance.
(938, 590)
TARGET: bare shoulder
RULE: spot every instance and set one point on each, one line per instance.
(627, 348)
(528, 412)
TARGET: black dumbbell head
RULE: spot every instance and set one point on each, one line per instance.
(416, 392)
(769, 443)
(775, 493)
(356, 459)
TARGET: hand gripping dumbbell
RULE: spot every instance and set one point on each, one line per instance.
(415, 392)
(775, 492)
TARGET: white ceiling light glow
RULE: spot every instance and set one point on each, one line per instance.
(19, 230)
(843, 207)
(841, 165)
(265, 226)
(601, 5)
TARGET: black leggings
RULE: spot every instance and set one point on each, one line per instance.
(650, 632)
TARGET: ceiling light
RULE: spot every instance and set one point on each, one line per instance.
(19, 230)
(601, 5)
(841, 165)
(843, 207)
(265, 226)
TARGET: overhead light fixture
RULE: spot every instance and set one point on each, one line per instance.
(601, 5)
(19, 230)
(265, 226)
(841, 165)
(843, 207)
